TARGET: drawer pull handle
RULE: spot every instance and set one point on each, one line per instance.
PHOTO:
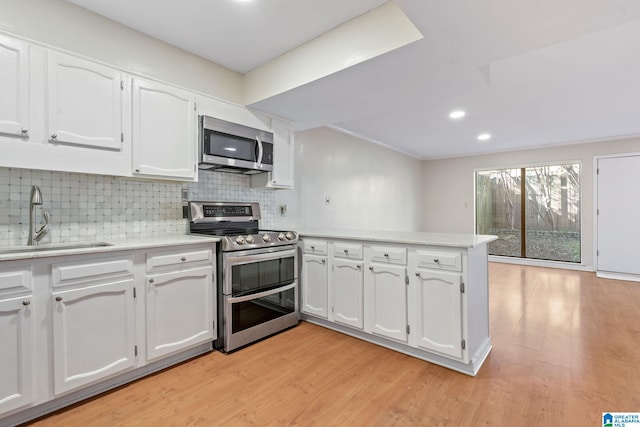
(184, 258)
(436, 260)
(386, 254)
(58, 299)
(26, 302)
(151, 280)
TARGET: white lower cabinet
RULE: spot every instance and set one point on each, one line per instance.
(386, 301)
(348, 298)
(427, 301)
(16, 335)
(439, 312)
(314, 288)
(93, 333)
(72, 326)
(179, 311)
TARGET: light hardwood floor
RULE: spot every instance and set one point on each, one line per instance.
(566, 349)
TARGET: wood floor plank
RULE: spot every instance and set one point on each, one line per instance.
(566, 349)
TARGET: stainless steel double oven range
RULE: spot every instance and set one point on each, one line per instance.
(257, 272)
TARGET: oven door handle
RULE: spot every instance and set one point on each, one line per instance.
(233, 300)
(246, 259)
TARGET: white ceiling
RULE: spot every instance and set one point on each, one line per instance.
(530, 73)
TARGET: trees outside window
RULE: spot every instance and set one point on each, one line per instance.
(535, 211)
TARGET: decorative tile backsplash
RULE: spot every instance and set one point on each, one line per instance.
(86, 207)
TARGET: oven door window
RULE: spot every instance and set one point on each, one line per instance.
(262, 275)
(248, 314)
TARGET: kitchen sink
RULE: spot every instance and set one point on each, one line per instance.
(54, 247)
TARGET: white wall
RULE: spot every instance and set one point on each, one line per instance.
(448, 184)
(370, 187)
(66, 26)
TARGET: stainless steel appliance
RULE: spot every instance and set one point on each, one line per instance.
(257, 272)
(230, 147)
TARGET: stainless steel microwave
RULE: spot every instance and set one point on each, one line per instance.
(231, 147)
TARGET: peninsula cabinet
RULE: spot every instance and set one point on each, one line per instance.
(78, 324)
(422, 294)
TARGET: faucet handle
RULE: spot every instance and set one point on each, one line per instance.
(44, 229)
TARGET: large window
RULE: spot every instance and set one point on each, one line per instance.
(535, 211)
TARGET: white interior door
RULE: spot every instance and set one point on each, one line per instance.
(618, 224)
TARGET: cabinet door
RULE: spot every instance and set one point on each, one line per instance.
(164, 125)
(15, 353)
(282, 175)
(93, 333)
(439, 313)
(314, 285)
(14, 87)
(84, 105)
(347, 281)
(180, 309)
(386, 301)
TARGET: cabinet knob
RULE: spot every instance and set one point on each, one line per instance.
(436, 260)
(313, 247)
(26, 302)
(137, 170)
(58, 299)
(371, 267)
(387, 255)
(24, 131)
(418, 273)
(151, 280)
(359, 266)
(346, 251)
(184, 258)
(54, 135)
(324, 261)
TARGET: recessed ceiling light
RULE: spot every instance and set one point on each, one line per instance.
(457, 114)
(484, 137)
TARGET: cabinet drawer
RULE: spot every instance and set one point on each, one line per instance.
(318, 247)
(157, 261)
(347, 250)
(389, 255)
(440, 259)
(15, 280)
(94, 269)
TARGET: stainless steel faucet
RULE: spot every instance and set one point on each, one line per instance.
(36, 236)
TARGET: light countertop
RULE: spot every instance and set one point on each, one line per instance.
(404, 237)
(63, 249)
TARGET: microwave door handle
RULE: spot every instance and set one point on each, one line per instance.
(260, 149)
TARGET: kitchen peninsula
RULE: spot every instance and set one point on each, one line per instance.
(423, 294)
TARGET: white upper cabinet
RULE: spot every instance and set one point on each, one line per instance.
(283, 158)
(84, 103)
(164, 125)
(282, 175)
(14, 87)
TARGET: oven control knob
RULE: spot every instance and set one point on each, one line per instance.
(240, 240)
(266, 238)
(281, 236)
(290, 235)
(249, 239)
